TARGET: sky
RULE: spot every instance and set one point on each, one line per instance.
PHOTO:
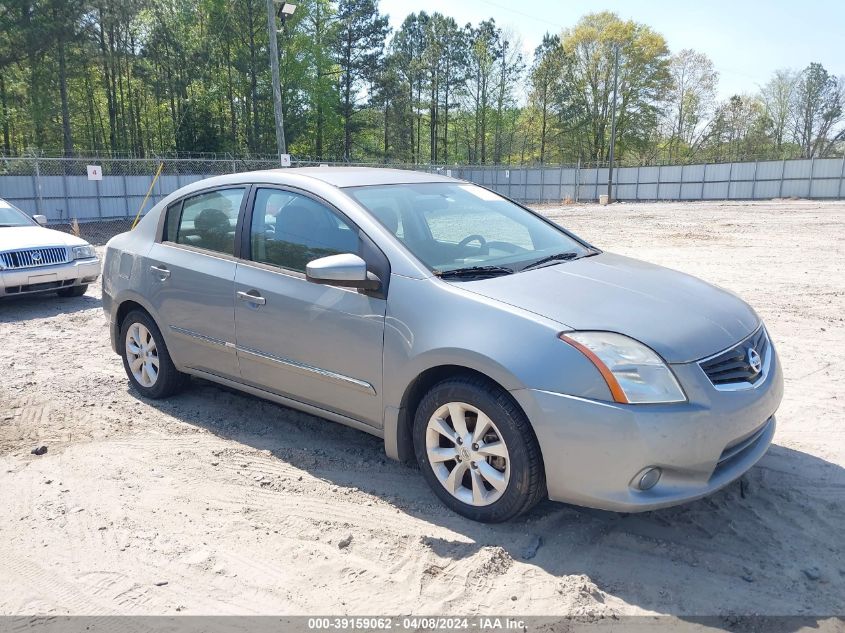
(746, 39)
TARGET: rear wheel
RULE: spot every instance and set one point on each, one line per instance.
(146, 359)
(72, 291)
(478, 451)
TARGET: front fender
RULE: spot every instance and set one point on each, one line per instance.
(513, 347)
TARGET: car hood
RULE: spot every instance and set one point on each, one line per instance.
(679, 316)
(17, 237)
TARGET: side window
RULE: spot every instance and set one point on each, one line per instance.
(391, 219)
(290, 230)
(171, 221)
(208, 220)
(385, 208)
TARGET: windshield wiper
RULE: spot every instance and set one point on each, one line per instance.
(474, 271)
(557, 257)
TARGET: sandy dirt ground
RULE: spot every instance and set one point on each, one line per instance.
(220, 503)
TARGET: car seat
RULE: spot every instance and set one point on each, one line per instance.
(214, 230)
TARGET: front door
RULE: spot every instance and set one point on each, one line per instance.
(317, 344)
(190, 280)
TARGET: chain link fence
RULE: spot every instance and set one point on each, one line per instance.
(65, 192)
(96, 232)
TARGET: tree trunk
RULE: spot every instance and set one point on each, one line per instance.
(117, 81)
(107, 82)
(36, 101)
(543, 129)
(67, 139)
(483, 121)
(4, 106)
(432, 123)
(411, 126)
(446, 86)
(386, 138)
(230, 95)
(418, 115)
(497, 143)
(253, 79)
(347, 98)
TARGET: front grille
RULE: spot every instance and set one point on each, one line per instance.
(34, 257)
(732, 368)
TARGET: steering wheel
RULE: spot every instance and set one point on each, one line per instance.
(473, 238)
(507, 247)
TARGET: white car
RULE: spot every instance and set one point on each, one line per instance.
(35, 259)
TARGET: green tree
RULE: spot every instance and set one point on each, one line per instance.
(738, 129)
(644, 80)
(690, 99)
(320, 27)
(817, 110)
(407, 50)
(545, 79)
(778, 96)
(484, 52)
(360, 47)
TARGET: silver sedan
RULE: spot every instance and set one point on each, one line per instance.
(511, 359)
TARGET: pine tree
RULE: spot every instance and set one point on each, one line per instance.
(359, 51)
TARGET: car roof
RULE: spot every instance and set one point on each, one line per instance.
(360, 176)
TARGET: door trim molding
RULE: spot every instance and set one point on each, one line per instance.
(310, 370)
(202, 337)
(288, 402)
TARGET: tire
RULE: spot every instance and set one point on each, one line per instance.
(146, 344)
(72, 291)
(499, 474)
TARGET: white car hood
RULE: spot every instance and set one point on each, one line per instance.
(14, 238)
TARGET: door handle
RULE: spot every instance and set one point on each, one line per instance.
(250, 298)
(162, 272)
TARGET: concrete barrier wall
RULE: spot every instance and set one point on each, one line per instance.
(61, 190)
(819, 178)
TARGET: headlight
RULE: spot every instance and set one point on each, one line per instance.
(84, 252)
(633, 372)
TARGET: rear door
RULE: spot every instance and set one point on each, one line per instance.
(314, 343)
(190, 279)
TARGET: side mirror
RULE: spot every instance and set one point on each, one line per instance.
(345, 270)
(41, 219)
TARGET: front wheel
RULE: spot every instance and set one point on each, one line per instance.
(146, 359)
(478, 451)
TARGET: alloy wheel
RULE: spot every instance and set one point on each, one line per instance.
(467, 454)
(142, 355)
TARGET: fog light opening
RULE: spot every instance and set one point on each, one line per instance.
(648, 478)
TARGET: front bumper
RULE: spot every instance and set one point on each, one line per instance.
(49, 278)
(593, 450)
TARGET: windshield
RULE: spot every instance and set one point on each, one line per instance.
(12, 216)
(458, 226)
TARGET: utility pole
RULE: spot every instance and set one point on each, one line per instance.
(613, 126)
(281, 148)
